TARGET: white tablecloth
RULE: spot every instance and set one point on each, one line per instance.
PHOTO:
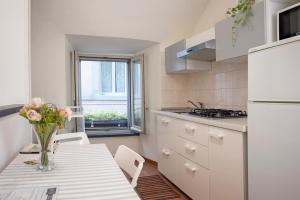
(81, 172)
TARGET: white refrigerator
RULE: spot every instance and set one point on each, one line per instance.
(274, 121)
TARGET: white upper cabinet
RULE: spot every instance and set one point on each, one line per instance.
(194, 62)
(260, 30)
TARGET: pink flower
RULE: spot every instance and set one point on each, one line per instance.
(37, 102)
(32, 115)
(65, 111)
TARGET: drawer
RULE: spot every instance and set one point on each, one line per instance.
(197, 133)
(194, 179)
(167, 160)
(193, 151)
(165, 131)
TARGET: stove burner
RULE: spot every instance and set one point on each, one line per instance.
(218, 113)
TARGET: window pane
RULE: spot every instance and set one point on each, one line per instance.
(137, 93)
(90, 71)
(120, 76)
(106, 76)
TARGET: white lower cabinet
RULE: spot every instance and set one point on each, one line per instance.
(212, 170)
(167, 162)
(187, 175)
(194, 179)
(193, 151)
(227, 165)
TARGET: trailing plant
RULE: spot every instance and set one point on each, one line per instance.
(241, 13)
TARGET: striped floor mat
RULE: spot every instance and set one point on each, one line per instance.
(155, 188)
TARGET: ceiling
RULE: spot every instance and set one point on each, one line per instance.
(104, 45)
(150, 20)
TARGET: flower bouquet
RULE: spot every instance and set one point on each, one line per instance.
(46, 118)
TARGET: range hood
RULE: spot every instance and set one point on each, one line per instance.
(205, 51)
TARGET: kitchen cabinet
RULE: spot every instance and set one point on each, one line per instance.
(171, 61)
(226, 164)
(205, 162)
(248, 36)
(261, 29)
(173, 64)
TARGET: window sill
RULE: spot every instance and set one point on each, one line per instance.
(113, 133)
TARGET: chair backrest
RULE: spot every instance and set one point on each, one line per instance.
(69, 138)
(126, 159)
(72, 138)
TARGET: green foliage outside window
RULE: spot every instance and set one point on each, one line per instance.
(105, 115)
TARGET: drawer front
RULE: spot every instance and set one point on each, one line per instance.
(167, 162)
(197, 133)
(194, 179)
(195, 152)
(191, 178)
(165, 131)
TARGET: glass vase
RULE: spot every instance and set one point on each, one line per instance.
(44, 133)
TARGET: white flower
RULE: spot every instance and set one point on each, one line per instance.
(32, 115)
(37, 102)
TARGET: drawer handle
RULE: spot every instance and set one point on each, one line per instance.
(190, 168)
(190, 148)
(216, 136)
(189, 129)
(166, 152)
(165, 121)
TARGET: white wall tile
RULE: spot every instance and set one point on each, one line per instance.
(225, 86)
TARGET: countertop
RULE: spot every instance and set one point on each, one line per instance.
(236, 124)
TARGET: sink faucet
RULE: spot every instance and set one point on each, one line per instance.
(189, 101)
(201, 105)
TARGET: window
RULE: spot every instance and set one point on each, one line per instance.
(102, 79)
(110, 93)
(106, 74)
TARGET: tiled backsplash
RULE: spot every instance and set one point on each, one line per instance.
(225, 86)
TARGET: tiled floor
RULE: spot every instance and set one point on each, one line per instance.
(150, 168)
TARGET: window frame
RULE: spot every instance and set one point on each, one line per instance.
(105, 131)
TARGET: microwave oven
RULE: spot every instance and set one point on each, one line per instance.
(288, 22)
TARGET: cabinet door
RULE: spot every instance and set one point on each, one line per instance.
(173, 63)
(249, 36)
(227, 167)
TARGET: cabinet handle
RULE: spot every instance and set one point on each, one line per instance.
(189, 129)
(166, 152)
(190, 168)
(217, 136)
(190, 148)
(165, 121)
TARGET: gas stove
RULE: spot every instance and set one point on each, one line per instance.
(218, 113)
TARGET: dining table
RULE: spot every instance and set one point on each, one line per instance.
(85, 172)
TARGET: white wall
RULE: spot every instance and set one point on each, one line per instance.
(153, 20)
(113, 143)
(14, 75)
(68, 66)
(214, 12)
(152, 62)
(48, 49)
